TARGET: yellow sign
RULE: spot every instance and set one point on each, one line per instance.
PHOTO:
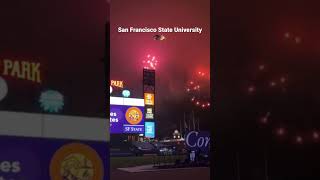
(22, 70)
(148, 99)
(134, 115)
(117, 83)
(76, 161)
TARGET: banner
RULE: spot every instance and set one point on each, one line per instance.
(198, 141)
(40, 159)
(126, 119)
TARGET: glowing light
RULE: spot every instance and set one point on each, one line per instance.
(272, 84)
(111, 89)
(197, 96)
(280, 131)
(315, 135)
(297, 39)
(150, 62)
(261, 67)
(251, 89)
(126, 93)
(283, 79)
(264, 120)
(117, 83)
(208, 104)
(287, 35)
(51, 101)
(299, 139)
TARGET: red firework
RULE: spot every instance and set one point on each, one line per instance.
(274, 84)
(198, 90)
(150, 62)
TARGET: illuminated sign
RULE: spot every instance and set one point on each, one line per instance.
(148, 99)
(149, 130)
(126, 119)
(115, 83)
(126, 101)
(134, 115)
(59, 158)
(22, 70)
(126, 93)
(51, 101)
(198, 140)
(149, 113)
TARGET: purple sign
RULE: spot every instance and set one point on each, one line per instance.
(39, 159)
(198, 140)
(126, 119)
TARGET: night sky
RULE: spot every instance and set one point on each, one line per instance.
(179, 56)
(248, 34)
(254, 35)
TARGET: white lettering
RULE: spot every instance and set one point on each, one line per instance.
(200, 142)
(5, 166)
(188, 136)
(16, 167)
(207, 141)
(121, 29)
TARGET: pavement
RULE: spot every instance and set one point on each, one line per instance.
(148, 172)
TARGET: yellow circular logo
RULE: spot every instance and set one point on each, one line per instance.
(134, 115)
(76, 161)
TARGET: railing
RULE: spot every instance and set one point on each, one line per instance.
(181, 160)
(168, 159)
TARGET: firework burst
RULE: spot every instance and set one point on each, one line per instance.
(150, 62)
(198, 90)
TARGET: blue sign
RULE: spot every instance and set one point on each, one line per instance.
(198, 141)
(149, 130)
(39, 159)
(126, 119)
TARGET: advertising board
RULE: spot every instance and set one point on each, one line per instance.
(149, 130)
(198, 140)
(44, 158)
(126, 119)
